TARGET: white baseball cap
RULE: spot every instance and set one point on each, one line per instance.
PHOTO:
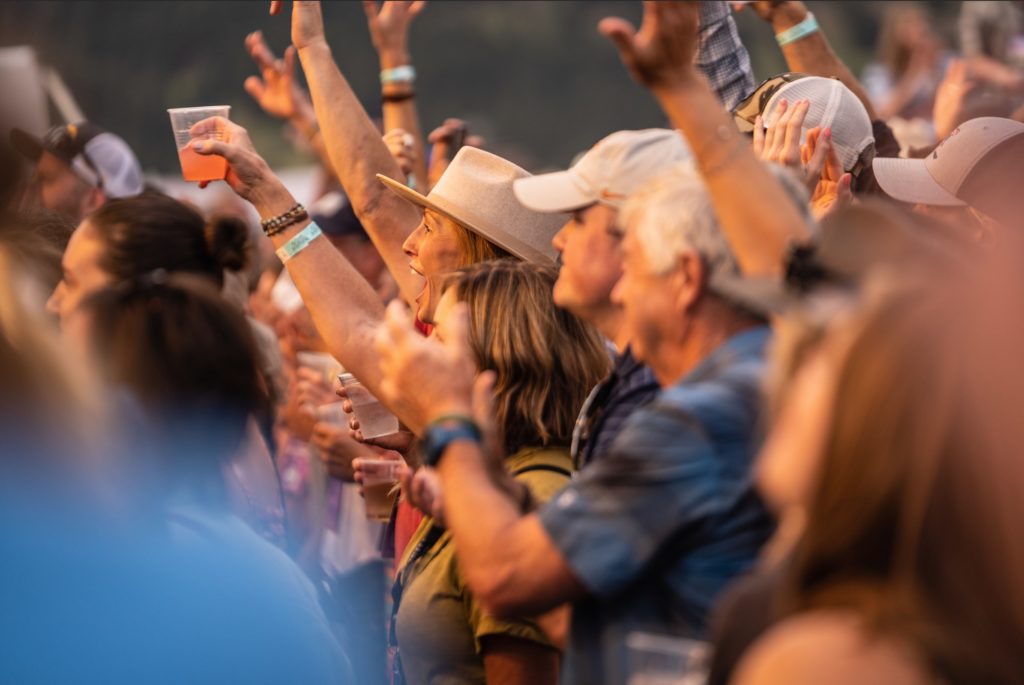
(833, 106)
(616, 167)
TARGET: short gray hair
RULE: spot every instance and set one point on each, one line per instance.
(673, 214)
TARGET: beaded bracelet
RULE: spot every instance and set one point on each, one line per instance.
(276, 224)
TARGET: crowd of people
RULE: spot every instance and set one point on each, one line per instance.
(743, 388)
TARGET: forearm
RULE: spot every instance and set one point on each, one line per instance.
(305, 124)
(357, 154)
(752, 206)
(813, 54)
(403, 114)
(505, 557)
(344, 307)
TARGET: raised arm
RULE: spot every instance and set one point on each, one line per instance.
(389, 29)
(752, 206)
(355, 148)
(345, 308)
(811, 54)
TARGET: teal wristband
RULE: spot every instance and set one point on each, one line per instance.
(805, 28)
(299, 242)
(401, 74)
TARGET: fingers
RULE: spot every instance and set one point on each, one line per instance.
(212, 147)
(209, 126)
(275, 7)
(794, 131)
(254, 87)
(816, 162)
(371, 10)
(621, 33)
(844, 193)
(289, 60)
(833, 169)
(416, 7)
(259, 50)
(759, 134)
(458, 337)
(773, 128)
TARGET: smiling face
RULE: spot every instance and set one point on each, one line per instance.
(590, 246)
(434, 251)
(82, 274)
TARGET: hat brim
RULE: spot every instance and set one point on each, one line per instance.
(908, 180)
(26, 144)
(764, 296)
(521, 251)
(551, 193)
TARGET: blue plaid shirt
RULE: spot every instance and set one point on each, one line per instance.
(657, 527)
(721, 56)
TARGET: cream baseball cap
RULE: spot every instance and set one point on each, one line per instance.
(961, 159)
(608, 173)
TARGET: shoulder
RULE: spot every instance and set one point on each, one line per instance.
(828, 647)
(544, 471)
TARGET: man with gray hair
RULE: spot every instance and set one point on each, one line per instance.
(645, 537)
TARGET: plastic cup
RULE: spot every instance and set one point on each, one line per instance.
(380, 486)
(666, 660)
(374, 419)
(194, 166)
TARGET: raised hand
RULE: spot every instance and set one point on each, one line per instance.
(661, 53)
(949, 97)
(276, 90)
(780, 142)
(248, 173)
(402, 147)
(307, 22)
(832, 192)
(389, 23)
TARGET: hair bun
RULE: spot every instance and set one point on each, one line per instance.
(228, 241)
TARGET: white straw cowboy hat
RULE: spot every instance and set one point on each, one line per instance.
(475, 191)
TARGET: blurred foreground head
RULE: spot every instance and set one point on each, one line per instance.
(187, 360)
(914, 507)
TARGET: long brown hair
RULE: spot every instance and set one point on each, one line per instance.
(915, 523)
(546, 359)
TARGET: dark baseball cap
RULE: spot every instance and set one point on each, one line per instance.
(98, 157)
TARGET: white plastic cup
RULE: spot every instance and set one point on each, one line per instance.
(374, 419)
(194, 166)
(380, 486)
(666, 660)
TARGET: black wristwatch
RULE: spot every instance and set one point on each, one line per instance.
(443, 432)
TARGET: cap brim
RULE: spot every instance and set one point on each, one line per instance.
(765, 296)
(551, 193)
(26, 144)
(908, 180)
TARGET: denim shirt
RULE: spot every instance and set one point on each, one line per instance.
(661, 524)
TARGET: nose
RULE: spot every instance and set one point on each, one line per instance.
(558, 241)
(411, 245)
(618, 291)
(56, 297)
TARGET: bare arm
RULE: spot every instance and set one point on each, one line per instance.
(511, 661)
(760, 222)
(355, 148)
(811, 54)
(344, 307)
(389, 28)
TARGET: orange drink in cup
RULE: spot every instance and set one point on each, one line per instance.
(194, 166)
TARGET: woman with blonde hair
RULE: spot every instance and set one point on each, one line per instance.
(543, 360)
